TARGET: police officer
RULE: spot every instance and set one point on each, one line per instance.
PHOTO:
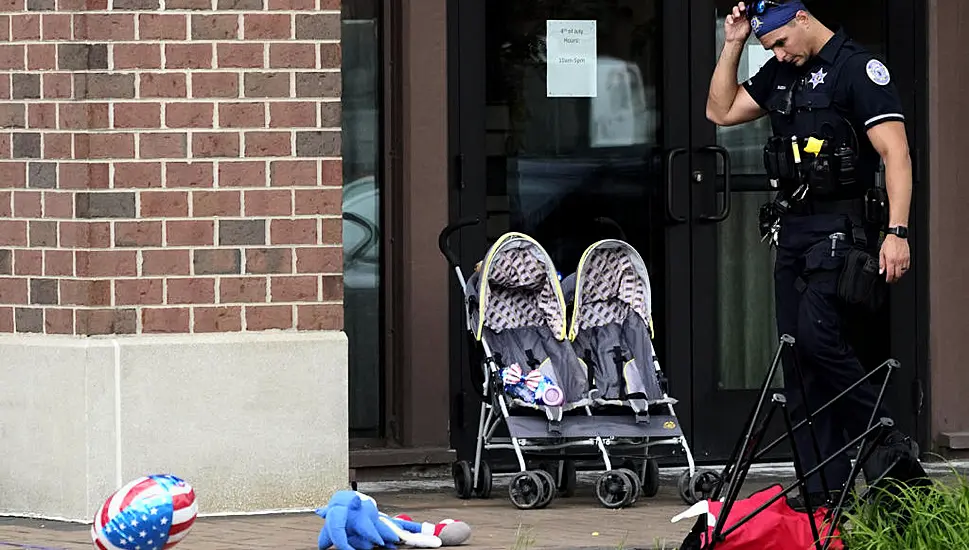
(835, 113)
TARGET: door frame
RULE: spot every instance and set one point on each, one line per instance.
(683, 359)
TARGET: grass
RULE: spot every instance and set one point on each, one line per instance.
(932, 517)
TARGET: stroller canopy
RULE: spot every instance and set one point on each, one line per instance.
(518, 287)
(610, 283)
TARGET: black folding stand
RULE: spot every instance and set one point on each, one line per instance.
(746, 453)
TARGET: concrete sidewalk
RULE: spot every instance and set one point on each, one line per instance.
(579, 522)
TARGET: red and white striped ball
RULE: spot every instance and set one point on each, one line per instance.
(149, 513)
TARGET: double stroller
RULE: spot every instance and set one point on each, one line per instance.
(571, 373)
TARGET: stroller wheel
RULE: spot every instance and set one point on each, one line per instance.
(703, 485)
(484, 481)
(548, 487)
(637, 486)
(683, 485)
(651, 478)
(463, 482)
(526, 490)
(614, 489)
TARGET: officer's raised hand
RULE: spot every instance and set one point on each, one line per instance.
(894, 258)
(736, 25)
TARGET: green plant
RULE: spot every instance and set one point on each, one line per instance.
(893, 517)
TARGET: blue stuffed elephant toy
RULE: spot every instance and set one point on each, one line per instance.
(353, 522)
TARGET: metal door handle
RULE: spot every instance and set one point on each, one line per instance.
(725, 207)
(669, 184)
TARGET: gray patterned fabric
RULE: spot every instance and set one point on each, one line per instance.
(615, 344)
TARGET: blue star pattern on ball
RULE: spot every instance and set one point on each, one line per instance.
(142, 527)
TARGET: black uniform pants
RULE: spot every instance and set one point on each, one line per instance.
(808, 308)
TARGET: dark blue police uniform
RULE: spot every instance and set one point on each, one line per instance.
(837, 96)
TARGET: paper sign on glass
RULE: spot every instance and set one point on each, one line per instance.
(571, 58)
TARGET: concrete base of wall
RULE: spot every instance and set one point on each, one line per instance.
(253, 421)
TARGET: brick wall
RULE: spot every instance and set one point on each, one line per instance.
(169, 166)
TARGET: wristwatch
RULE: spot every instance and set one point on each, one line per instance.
(899, 231)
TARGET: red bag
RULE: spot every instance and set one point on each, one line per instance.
(777, 527)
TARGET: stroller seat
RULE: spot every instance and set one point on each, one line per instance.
(520, 311)
(611, 328)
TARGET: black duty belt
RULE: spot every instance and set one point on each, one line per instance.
(816, 206)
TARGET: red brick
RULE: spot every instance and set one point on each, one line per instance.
(294, 288)
(13, 233)
(216, 203)
(267, 26)
(58, 146)
(107, 263)
(190, 232)
(332, 288)
(27, 204)
(166, 262)
(5, 85)
(138, 234)
(6, 204)
(332, 231)
(268, 202)
(13, 291)
(167, 145)
(6, 319)
(106, 321)
(137, 174)
(57, 85)
(215, 27)
(13, 174)
(292, 56)
(4, 27)
(269, 317)
(42, 115)
(293, 173)
(215, 84)
(137, 115)
(188, 174)
(137, 56)
(218, 319)
(242, 174)
(323, 201)
(162, 85)
(294, 114)
(268, 144)
(242, 290)
(293, 231)
(107, 26)
(41, 57)
(238, 56)
(138, 291)
(83, 116)
(104, 146)
(242, 115)
(301, 5)
(58, 205)
(330, 56)
(59, 321)
(332, 173)
(188, 115)
(28, 262)
(56, 26)
(81, 292)
(164, 204)
(77, 234)
(12, 57)
(191, 291)
(95, 175)
(157, 26)
(165, 319)
(188, 56)
(59, 263)
(322, 259)
(269, 260)
(25, 26)
(215, 144)
(319, 317)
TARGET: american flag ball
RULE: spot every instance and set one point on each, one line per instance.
(150, 513)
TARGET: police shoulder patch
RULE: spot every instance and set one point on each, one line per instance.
(878, 72)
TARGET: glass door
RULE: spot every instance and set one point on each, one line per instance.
(572, 126)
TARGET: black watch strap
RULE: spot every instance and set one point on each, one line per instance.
(899, 231)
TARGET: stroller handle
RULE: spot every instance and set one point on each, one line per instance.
(442, 240)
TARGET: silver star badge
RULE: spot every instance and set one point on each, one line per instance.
(817, 78)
